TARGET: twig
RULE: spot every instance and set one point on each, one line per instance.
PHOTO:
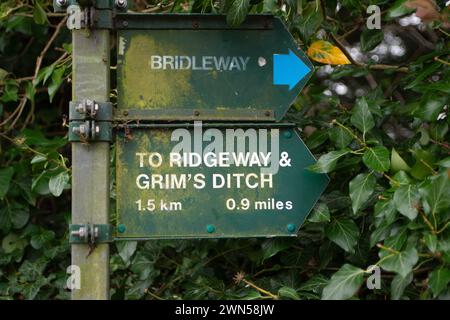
(47, 46)
(370, 66)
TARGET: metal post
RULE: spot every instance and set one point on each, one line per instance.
(90, 163)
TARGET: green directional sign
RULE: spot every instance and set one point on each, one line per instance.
(213, 182)
(185, 67)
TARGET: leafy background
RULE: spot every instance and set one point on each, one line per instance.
(375, 114)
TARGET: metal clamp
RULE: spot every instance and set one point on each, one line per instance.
(90, 120)
(90, 109)
(90, 130)
(90, 233)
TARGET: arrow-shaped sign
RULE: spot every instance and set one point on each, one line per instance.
(258, 186)
(288, 69)
(196, 67)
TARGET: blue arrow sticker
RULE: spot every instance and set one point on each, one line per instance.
(288, 69)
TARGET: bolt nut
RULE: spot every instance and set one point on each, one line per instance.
(121, 4)
(80, 233)
(80, 130)
(62, 3)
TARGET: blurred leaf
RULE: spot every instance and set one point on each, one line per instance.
(362, 117)
(309, 21)
(39, 15)
(40, 239)
(401, 262)
(327, 162)
(340, 137)
(288, 293)
(5, 179)
(397, 162)
(126, 249)
(407, 201)
(398, 285)
(321, 213)
(377, 158)
(237, 12)
(438, 280)
(370, 38)
(344, 284)
(343, 232)
(361, 188)
(436, 194)
(57, 183)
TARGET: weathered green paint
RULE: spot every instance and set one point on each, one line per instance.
(90, 163)
(214, 94)
(203, 212)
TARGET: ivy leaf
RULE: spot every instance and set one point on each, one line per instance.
(57, 79)
(5, 179)
(57, 183)
(324, 52)
(344, 283)
(38, 240)
(237, 12)
(142, 266)
(362, 117)
(400, 262)
(407, 200)
(39, 15)
(289, 293)
(436, 194)
(361, 188)
(377, 159)
(309, 21)
(344, 232)
(399, 9)
(327, 162)
(340, 137)
(438, 280)
(370, 38)
(126, 250)
(38, 158)
(321, 213)
(271, 247)
(397, 162)
(399, 284)
(20, 216)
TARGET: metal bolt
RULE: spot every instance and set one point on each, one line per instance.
(291, 227)
(125, 113)
(121, 4)
(121, 228)
(195, 24)
(196, 113)
(80, 108)
(210, 228)
(268, 113)
(80, 233)
(125, 23)
(80, 130)
(262, 61)
(97, 130)
(287, 134)
(62, 3)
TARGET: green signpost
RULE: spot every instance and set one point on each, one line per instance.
(176, 177)
(241, 181)
(188, 68)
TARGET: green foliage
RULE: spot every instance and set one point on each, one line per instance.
(384, 144)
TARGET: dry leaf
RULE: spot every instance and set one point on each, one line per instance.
(427, 10)
(324, 52)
